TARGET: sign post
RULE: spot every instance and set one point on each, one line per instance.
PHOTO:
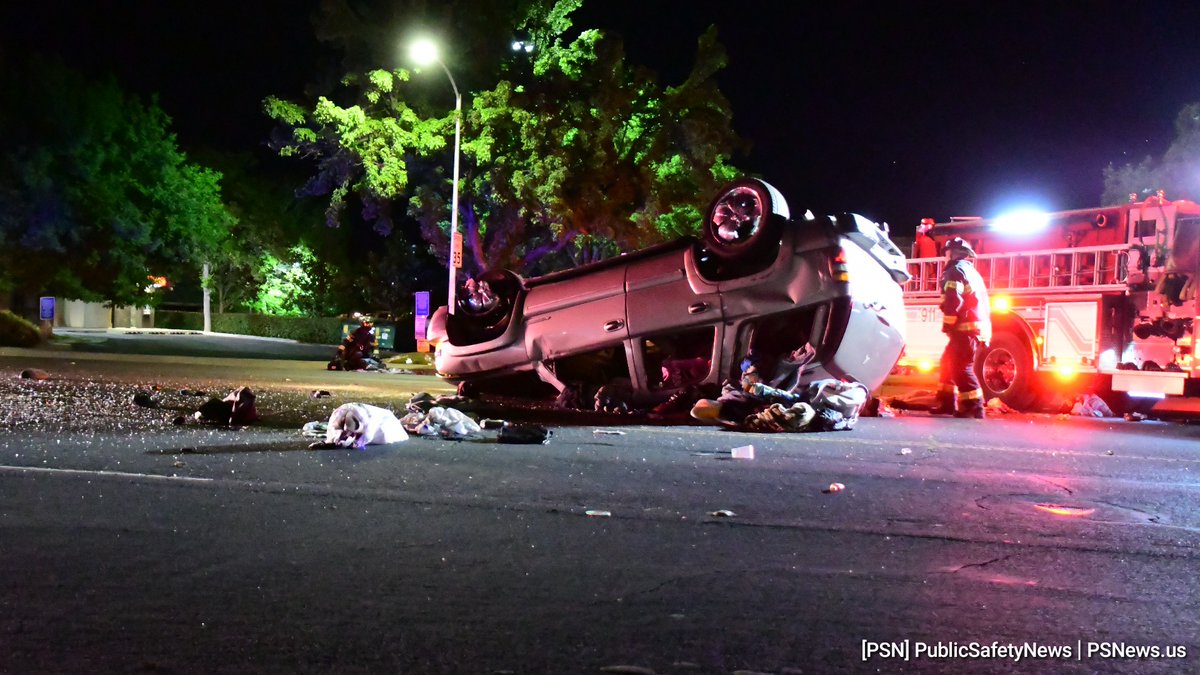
(46, 307)
(421, 320)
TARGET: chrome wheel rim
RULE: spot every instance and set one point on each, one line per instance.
(738, 215)
(999, 370)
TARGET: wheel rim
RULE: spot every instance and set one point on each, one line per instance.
(738, 215)
(479, 298)
(999, 370)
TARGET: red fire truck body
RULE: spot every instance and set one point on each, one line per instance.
(1107, 293)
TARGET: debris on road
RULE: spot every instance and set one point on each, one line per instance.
(1134, 417)
(823, 405)
(320, 393)
(607, 432)
(192, 392)
(144, 400)
(439, 421)
(906, 451)
(742, 452)
(1091, 405)
(878, 407)
(236, 409)
(597, 514)
(531, 433)
(34, 374)
(723, 513)
(996, 406)
(492, 424)
(920, 399)
(834, 487)
(316, 429)
(357, 425)
(420, 402)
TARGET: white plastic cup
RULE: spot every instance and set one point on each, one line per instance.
(743, 452)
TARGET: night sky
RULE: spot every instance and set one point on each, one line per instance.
(896, 110)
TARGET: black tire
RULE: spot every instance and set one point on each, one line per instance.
(745, 220)
(1005, 370)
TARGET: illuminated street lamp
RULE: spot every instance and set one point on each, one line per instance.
(425, 53)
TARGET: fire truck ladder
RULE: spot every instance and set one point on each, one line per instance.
(1080, 269)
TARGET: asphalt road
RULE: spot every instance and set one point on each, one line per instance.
(182, 549)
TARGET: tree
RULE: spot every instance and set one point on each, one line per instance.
(572, 156)
(95, 196)
(269, 221)
(1177, 173)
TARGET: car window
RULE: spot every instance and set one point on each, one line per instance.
(778, 346)
(676, 360)
(595, 368)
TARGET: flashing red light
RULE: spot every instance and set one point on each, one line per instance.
(1065, 371)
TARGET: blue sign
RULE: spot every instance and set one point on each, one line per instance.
(47, 309)
(422, 303)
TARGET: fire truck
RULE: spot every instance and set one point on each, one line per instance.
(1102, 297)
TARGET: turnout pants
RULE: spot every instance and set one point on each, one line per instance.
(958, 366)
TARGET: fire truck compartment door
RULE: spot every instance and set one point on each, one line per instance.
(1070, 333)
(924, 337)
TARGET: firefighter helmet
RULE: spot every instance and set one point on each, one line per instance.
(959, 248)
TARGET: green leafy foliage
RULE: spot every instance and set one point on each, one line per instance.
(292, 286)
(1177, 172)
(94, 193)
(17, 332)
(569, 156)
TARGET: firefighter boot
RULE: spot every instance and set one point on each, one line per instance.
(971, 408)
(946, 404)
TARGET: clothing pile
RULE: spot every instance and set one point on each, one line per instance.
(823, 405)
(438, 421)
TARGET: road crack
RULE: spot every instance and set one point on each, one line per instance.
(982, 564)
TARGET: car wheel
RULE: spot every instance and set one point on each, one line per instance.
(1005, 370)
(484, 307)
(745, 219)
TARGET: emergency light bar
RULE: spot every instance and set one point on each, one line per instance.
(1025, 221)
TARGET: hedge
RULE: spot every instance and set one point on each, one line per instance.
(323, 331)
(17, 332)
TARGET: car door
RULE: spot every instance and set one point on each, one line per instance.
(661, 295)
(577, 314)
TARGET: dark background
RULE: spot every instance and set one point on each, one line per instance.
(894, 110)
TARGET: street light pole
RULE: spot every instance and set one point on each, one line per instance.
(455, 240)
(425, 52)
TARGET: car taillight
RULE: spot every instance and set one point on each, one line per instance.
(838, 267)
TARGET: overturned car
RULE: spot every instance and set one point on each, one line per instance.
(821, 293)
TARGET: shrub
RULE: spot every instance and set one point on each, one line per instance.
(17, 332)
(178, 320)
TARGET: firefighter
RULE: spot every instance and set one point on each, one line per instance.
(966, 320)
(924, 245)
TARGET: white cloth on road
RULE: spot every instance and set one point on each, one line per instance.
(357, 425)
